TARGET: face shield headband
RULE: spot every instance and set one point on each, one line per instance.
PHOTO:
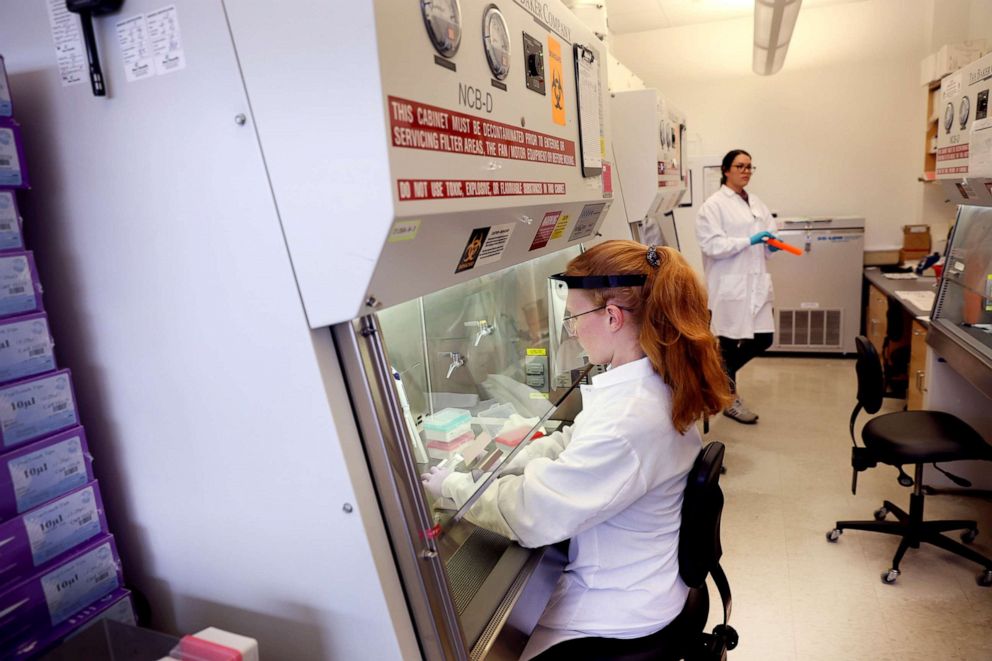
(600, 281)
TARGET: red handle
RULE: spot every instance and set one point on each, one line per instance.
(784, 246)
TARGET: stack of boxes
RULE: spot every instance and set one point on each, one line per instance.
(59, 568)
(447, 431)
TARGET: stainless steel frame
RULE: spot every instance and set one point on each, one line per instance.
(374, 400)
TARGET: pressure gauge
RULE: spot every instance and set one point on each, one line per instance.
(965, 111)
(443, 19)
(496, 38)
(948, 117)
(663, 133)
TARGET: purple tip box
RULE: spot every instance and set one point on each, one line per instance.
(115, 606)
(20, 287)
(11, 225)
(13, 173)
(36, 407)
(26, 347)
(39, 538)
(36, 473)
(53, 596)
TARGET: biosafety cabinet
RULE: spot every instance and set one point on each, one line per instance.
(649, 168)
(964, 134)
(303, 251)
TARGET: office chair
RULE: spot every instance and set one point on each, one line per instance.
(910, 437)
(699, 556)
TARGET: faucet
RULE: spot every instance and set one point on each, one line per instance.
(456, 361)
(485, 328)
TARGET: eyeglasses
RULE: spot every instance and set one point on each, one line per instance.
(740, 167)
(569, 321)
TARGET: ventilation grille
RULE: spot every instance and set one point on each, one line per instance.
(809, 328)
(471, 563)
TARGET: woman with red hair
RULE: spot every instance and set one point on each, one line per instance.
(612, 483)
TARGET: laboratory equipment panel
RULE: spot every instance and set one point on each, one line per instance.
(444, 147)
(964, 134)
(818, 294)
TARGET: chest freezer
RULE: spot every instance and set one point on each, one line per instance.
(818, 294)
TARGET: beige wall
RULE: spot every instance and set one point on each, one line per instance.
(840, 129)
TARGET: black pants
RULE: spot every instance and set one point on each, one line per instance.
(737, 353)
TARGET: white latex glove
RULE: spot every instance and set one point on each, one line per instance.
(517, 421)
(433, 480)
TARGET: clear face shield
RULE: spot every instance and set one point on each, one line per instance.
(568, 357)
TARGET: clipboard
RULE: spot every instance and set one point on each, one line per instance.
(589, 101)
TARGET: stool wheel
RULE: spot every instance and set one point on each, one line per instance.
(834, 535)
(968, 536)
(881, 513)
(985, 578)
(889, 577)
(728, 634)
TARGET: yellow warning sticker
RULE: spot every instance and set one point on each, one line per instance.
(557, 82)
(537, 352)
(404, 230)
(560, 227)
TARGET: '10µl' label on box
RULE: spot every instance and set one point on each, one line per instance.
(79, 583)
(64, 524)
(44, 474)
(33, 409)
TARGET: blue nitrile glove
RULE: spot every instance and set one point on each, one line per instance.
(761, 236)
(433, 480)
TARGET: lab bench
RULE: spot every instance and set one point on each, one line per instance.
(893, 311)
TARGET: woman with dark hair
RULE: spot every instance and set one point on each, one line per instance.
(732, 227)
(613, 481)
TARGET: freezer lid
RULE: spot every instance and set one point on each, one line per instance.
(821, 222)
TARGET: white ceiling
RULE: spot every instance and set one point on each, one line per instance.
(626, 16)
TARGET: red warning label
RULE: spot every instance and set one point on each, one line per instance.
(419, 126)
(952, 153)
(440, 189)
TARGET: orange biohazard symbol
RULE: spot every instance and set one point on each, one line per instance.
(557, 82)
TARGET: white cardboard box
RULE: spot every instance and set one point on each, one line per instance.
(952, 57)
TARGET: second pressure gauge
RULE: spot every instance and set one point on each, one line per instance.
(965, 111)
(496, 38)
(443, 19)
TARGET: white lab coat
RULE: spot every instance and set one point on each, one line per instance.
(613, 484)
(740, 288)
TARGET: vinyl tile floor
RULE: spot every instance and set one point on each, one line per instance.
(798, 596)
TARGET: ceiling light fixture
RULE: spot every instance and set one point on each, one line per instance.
(773, 24)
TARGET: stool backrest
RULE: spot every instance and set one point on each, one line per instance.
(869, 370)
(702, 507)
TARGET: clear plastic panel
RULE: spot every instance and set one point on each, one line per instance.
(474, 367)
(965, 299)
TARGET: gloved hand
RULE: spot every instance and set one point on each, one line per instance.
(760, 237)
(771, 248)
(433, 480)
